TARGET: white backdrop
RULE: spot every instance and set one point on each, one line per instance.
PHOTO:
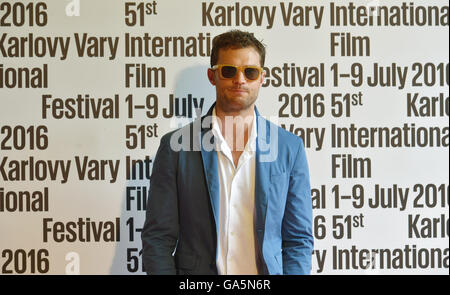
(365, 83)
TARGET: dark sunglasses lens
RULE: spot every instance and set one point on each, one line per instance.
(228, 71)
(251, 73)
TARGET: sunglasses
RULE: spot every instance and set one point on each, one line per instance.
(229, 71)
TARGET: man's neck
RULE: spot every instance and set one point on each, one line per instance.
(245, 113)
(236, 127)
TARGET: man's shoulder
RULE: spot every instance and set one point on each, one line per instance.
(285, 138)
(167, 137)
(185, 138)
(177, 132)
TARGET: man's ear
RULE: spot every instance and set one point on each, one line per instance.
(211, 77)
(263, 76)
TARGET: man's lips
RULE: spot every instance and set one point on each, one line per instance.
(238, 90)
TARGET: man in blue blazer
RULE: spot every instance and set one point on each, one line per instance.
(228, 197)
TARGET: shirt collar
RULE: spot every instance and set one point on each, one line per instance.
(222, 145)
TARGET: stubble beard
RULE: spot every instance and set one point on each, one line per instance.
(236, 105)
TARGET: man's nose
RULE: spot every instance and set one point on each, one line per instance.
(239, 78)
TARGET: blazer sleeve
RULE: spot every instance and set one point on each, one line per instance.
(296, 229)
(160, 231)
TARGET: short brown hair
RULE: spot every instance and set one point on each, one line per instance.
(236, 39)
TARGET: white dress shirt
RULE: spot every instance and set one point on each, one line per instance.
(236, 244)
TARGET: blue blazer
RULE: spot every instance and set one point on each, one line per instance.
(180, 233)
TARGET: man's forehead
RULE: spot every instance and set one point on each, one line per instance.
(249, 52)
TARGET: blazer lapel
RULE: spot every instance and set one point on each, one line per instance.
(262, 174)
(209, 157)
